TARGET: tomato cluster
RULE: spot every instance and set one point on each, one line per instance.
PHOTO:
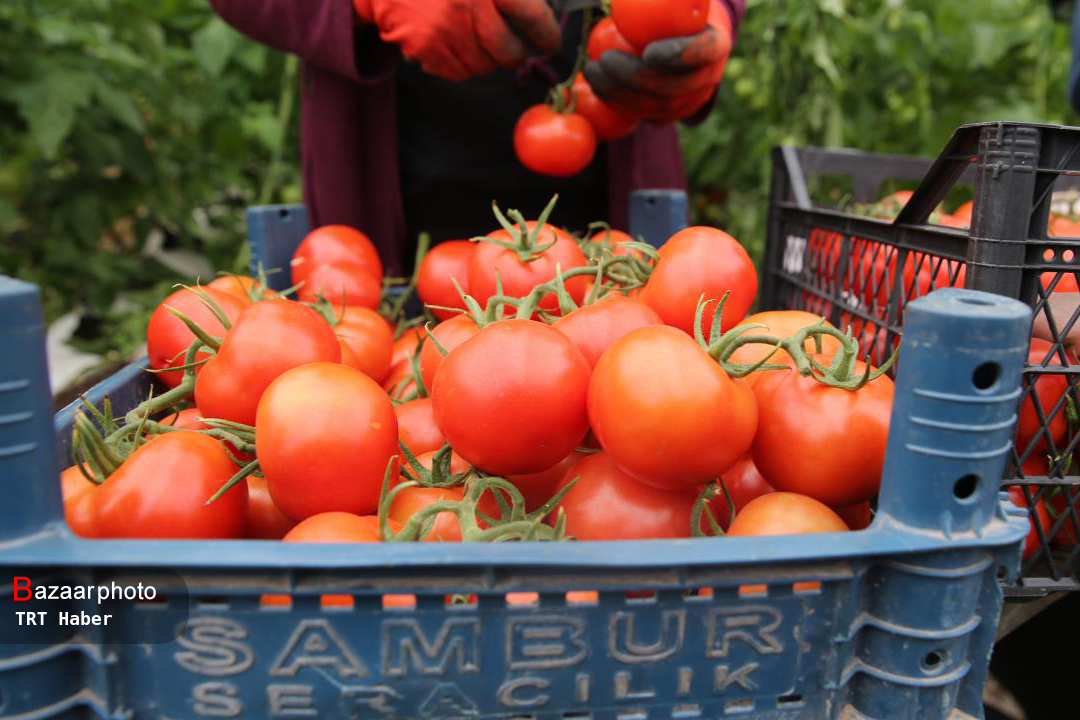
(590, 388)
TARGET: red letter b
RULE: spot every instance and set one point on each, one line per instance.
(22, 583)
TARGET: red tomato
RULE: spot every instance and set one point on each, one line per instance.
(593, 328)
(743, 483)
(240, 286)
(666, 411)
(696, 261)
(511, 399)
(332, 244)
(339, 282)
(417, 428)
(161, 491)
(167, 337)
(400, 384)
(1065, 284)
(443, 264)
(856, 517)
(824, 442)
(607, 503)
(963, 213)
(78, 493)
(1061, 226)
(325, 435)
(605, 36)
(643, 21)
(553, 143)
(539, 487)
(337, 527)
(405, 346)
(267, 339)
(518, 279)
(922, 274)
(1049, 390)
(370, 338)
(1031, 542)
(412, 500)
(609, 123)
(784, 513)
(781, 324)
(449, 334)
(264, 520)
(189, 419)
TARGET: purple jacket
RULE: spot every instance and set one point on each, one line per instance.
(349, 120)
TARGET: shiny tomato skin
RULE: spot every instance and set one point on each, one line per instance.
(744, 483)
(325, 434)
(605, 36)
(168, 338)
(370, 338)
(331, 244)
(642, 22)
(405, 347)
(781, 324)
(784, 513)
(593, 328)
(412, 500)
(340, 282)
(824, 442)
(264, 520)
(241, 287)
(489, 261)
(608, 122)
(1049, 389)
(539, 487)
(552, 143)
(701, 261)
(511, 399)
(449, 334)
(267, 339)
(417, 428)
(77, 493)
(337, 527)
(666, 411)
(606, 503)
(161, 489)
(444, 263)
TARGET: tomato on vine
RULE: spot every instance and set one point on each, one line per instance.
(554, 143)
(167, 337)
(444, 264)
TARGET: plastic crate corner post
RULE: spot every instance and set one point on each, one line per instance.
(656, 215)
(274, 232)
(954, 411)
(27, 453)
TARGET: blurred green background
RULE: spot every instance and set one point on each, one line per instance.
(133, 134)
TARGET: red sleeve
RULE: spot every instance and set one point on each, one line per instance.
(321, 32)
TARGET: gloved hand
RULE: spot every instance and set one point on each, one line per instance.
(672, 79)
(459, 39)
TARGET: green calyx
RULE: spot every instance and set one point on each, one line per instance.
(525, 241)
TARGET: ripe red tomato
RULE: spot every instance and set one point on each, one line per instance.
(325, 435)
(369, 336)
(189, 419)
(458, 464)
(666, 411)
(609, 123)
(553, 143)
(264, 520)
(824, 442)
(449, 334)
(539, 487)
(161, 491)
(267, 339)
(78, 493)
(605, 36)
(696, 261)
(607, 503)
(443, 264)
(744, 483)
(1049, 389)
(1040, 515)
(511, 399)
(781, 324)
(593, 328)
(784, 513)
(518, 279)
(240, 286)
(417, 428)
(614, 239)
(963, 212)
(337, 527)
(339, 282)
(331, 244)
(644, 21)
(167, 338)
(412, 500)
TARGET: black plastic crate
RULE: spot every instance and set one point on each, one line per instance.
(825, 253)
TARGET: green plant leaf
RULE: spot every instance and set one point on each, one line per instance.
(120, 105)
(214, 44)
(49, 105)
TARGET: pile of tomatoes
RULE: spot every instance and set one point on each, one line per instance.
(560, 137)
(557, 387)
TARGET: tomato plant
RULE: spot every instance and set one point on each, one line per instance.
(337, 527)
(267, 339)
(168, 338)
(334, 244)
(666, 411)
(785, 513)
(554, 143)
(701, 261)
(325, 435)
(608, 122)
(511, 399)
(643, 21)
(593, 328)
(417, 428)
(441, 266)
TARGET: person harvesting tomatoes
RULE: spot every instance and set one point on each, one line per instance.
(409, 107)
